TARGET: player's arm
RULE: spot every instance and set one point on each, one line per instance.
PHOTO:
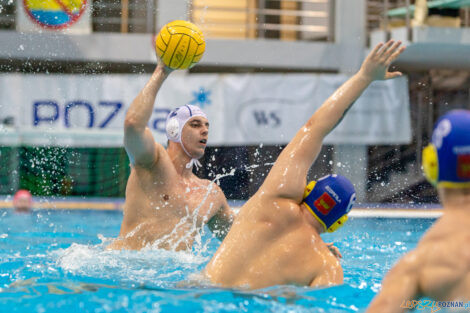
(138, 139)
(400, 285)
(221, 222)
(290, 170)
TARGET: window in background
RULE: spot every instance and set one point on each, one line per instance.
(273, 19)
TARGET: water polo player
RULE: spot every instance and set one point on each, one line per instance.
(22, 201)
(165, 202)
(439, 267)
(275, 239)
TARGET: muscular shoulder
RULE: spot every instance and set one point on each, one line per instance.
(215, 189)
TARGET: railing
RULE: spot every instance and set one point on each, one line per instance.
(125, 16)
(387, 14)
(282, 19)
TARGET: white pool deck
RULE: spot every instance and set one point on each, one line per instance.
(360, 211)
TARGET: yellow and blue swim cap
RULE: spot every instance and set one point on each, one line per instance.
(329, 200)
(446, 161)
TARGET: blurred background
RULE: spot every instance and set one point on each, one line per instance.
(69, 69)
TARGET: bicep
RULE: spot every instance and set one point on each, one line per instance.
(141, 146)
(287, 178)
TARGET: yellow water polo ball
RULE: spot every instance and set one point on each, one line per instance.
(180, 44)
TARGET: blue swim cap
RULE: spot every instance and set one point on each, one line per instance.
(446, 161)
(329, 200)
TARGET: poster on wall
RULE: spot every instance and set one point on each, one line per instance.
(65, 16)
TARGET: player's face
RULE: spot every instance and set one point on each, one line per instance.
(22, 204)
(194, 136)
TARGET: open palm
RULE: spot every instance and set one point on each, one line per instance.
(375, 66)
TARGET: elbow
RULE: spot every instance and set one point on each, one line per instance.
(131, 124)
(317, 125)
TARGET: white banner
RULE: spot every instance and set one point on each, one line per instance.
(89, 110)
(53, 15)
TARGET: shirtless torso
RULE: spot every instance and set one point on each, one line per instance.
(165, 202)
(169, 214)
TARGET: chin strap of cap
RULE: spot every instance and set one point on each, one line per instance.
(193, 161)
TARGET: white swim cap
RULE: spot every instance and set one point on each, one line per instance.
(175, 122)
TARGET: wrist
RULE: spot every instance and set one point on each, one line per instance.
(162, 71)
(367, 79)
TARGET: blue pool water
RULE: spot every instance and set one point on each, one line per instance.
(55, 261)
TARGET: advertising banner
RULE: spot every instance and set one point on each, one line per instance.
(246, 109)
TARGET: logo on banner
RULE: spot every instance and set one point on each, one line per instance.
(201, 97)
(55, 14)
(270, 120)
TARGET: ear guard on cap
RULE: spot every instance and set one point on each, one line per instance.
(430, 164)
(330, 211)
(173, 129)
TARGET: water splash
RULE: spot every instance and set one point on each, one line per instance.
(149, 266)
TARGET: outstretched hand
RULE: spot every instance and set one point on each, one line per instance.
(334, 250)
(375, 66)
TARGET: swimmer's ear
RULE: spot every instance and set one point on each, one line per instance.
(430, 164)
(309, 188)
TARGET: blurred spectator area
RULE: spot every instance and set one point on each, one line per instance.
(283, 19)
(387, 14)
(279, 19)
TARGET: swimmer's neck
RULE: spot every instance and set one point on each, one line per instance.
(179, 158)
(310, 219)
(455, 199)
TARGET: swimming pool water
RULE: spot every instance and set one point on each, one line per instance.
(55, 261)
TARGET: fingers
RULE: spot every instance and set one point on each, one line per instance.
(340, 255)
(376, 49)
(388, 52)
(391, 49)
(334, 250)
(394, 55)
(391, 75)
(387, 47)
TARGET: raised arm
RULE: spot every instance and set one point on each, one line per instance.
(287, 178)
(138, 140)
(399, 286)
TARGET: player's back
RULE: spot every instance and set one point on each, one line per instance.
(271, 243)
(444, 258)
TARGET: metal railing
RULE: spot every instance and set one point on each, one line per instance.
(379, 10)
(281, 19)
(125, 16)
